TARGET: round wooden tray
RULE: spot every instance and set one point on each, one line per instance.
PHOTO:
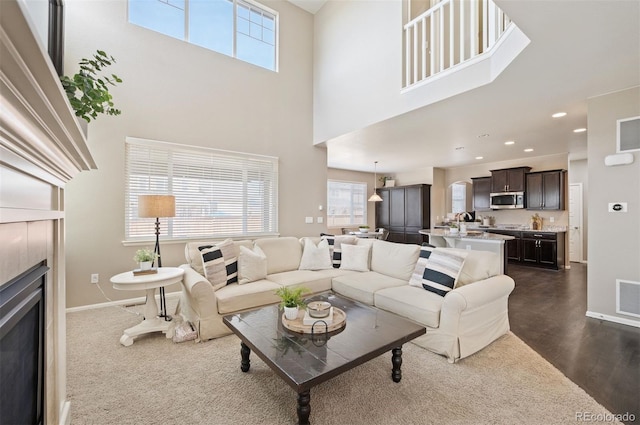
(339, 320)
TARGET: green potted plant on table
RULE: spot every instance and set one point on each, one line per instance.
(453, 228)
(363, 228)
(145, 258)
(291, 300)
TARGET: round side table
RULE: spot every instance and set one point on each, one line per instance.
(149, 282)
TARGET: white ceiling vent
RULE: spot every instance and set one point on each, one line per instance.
(628, 297)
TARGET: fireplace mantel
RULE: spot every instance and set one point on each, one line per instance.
(41, 149)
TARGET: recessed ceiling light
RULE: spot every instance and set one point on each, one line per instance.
(579, 130)
(559, 114)
(509, 142)
(529, 150)
(479, 157)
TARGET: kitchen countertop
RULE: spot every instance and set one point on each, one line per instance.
(511, 227)
(471, 234)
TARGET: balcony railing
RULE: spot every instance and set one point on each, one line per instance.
(449, 34)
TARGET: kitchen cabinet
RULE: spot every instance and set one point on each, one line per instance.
(545, 190)
(509, 179)
(404, 211)
(543, 249)
(481, 192)
(512, 246)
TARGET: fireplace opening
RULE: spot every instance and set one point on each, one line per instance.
(22, 321)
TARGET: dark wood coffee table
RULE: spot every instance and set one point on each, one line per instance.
(304, 361)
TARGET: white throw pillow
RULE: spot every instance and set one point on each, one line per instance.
(355, 257)
(252, 265)
(315, 257)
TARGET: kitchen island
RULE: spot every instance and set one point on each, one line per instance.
(473, 239)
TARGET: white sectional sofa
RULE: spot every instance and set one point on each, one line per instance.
(464, 321)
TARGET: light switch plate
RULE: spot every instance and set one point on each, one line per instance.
(319, 220)
(617, 207)
(308, 220)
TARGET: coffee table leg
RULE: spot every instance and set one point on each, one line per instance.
(396, 360)
(244, 352)
(304, 409)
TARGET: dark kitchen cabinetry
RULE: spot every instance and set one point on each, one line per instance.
(481, 192)
(545, 190)
(543, 249)
(404, 211)
(513, 248)
(509, 179)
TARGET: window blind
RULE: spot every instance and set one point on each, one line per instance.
(346, 203)
(218, 193)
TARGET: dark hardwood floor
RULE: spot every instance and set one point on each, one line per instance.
(547, 311)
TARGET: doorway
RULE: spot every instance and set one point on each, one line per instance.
(576, 227)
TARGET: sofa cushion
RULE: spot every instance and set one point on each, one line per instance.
(355, 257)
(335, 246)
(394, 259)
(314, 281)
(194, 258)
(362, 286)
(440, 271)
(315, 257)
(413, 303)
(478, 265)
(283, 254)
(233, 298)
(220, 263)
(252, 265)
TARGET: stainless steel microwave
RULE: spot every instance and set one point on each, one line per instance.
(507, 200)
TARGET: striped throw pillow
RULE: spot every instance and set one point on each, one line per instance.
(335, 246)
(439, 271)
(220, 263)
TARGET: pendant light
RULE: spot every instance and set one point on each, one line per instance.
(375, 197)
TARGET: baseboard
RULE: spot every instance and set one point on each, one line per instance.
(615, 319)
(129, 301)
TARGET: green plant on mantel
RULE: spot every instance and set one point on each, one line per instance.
(94, 97)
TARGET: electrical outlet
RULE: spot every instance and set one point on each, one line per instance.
(319, 220)
(468, 247)
(552, 219)
(308, 220)
(95, 278)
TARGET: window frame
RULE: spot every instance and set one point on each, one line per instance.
(234, 54)
(171, 180)
(330, 223)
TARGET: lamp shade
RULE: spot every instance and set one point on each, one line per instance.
(375, 197)
(153, 206)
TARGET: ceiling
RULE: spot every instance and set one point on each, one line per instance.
(578, 50)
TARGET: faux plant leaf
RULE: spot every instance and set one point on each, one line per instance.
(93, 97)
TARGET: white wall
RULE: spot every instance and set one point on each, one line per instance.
(357, 64)
(614, 238)
(182, 93)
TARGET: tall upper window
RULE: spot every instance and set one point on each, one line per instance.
(346, 203)
(218, 193)
(243, 29)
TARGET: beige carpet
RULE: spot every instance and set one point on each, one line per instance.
(156, 381)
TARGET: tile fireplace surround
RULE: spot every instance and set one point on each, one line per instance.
(41, 149)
